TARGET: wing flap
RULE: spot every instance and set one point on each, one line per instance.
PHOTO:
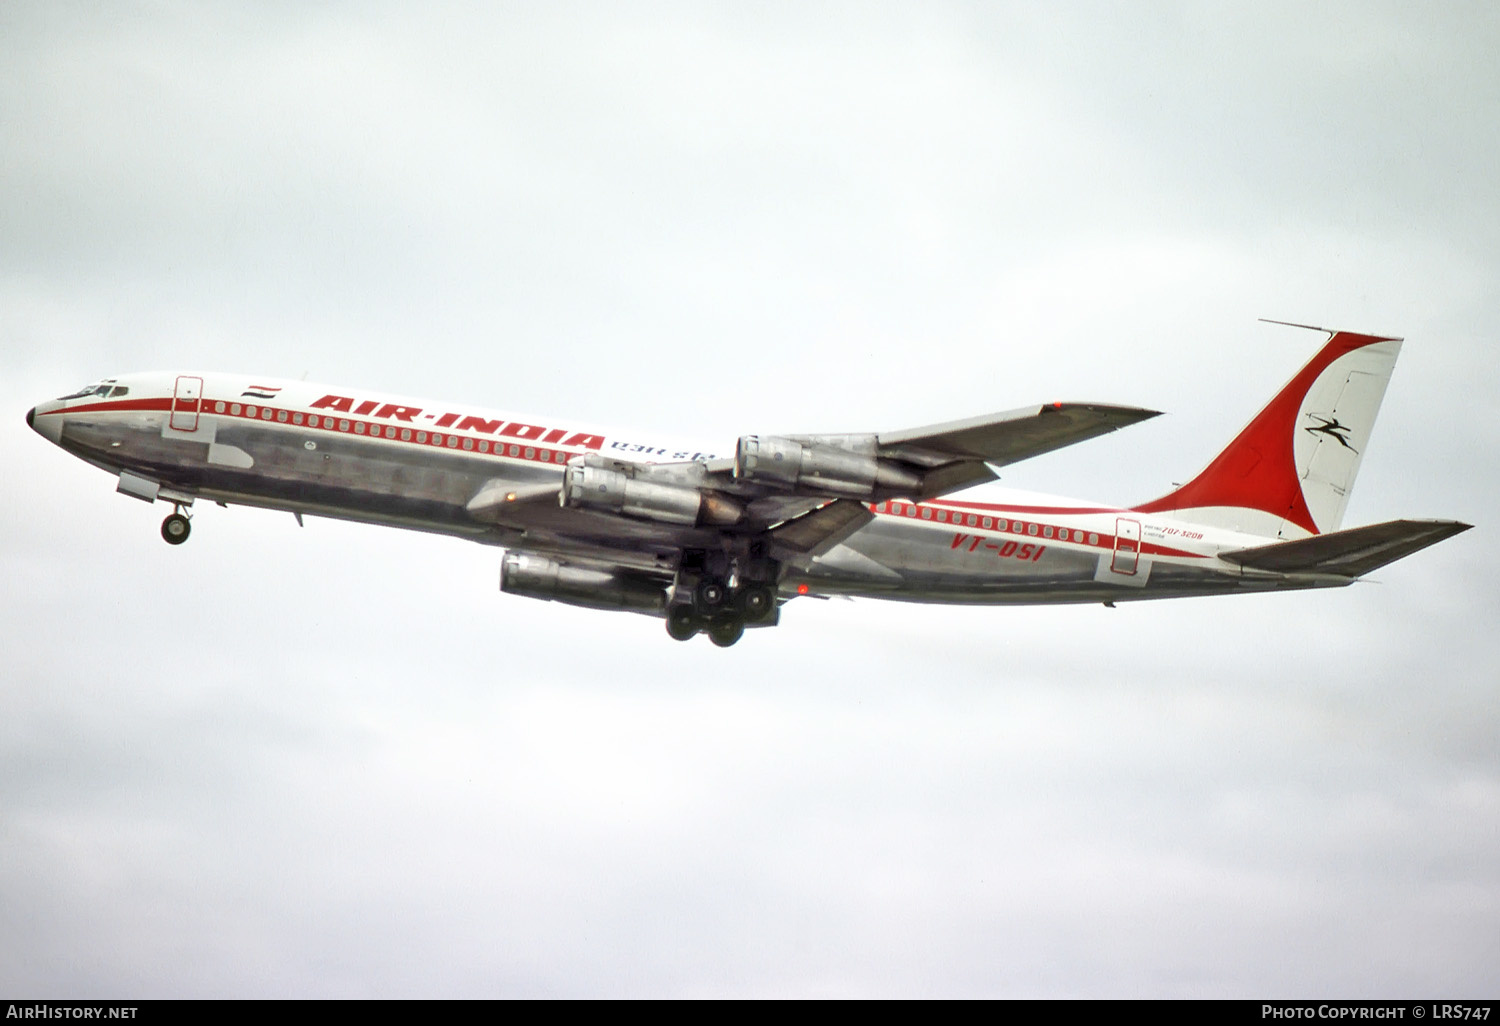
(812, 534)
(1350, 553)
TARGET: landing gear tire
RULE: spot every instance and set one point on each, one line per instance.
(682, 623)
(710, 594)
(756, 600)
(175, 529)
(726, 632)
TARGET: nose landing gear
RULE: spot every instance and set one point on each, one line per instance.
(175, 529)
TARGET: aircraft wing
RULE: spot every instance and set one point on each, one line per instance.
(924, 462)
(1002, 438)
(804, 482)
(815, 533)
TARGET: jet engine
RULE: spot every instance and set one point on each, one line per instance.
(593, 586)
(667, 492)
(843, 465)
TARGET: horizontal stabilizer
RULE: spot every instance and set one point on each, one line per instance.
(815, 533)
(1348, 553)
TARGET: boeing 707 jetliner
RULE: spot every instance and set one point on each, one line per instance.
(612, 520)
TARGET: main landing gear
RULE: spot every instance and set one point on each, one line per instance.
(175, 529)
(715, 608)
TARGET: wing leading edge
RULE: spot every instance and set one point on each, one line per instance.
(1002, 438)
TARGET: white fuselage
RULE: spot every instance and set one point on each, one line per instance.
(417, 464)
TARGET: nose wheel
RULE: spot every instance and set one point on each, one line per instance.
(175, 529)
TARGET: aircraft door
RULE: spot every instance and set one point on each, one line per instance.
(1127, 546)
(187, 399)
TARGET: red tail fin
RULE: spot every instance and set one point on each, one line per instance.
(1288, 473)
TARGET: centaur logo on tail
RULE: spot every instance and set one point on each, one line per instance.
(1332, 428)
(592, 518)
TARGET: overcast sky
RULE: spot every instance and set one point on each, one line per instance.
(335, 761)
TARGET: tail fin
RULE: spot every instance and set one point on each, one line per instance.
(1289, 472)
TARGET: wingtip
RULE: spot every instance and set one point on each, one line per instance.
(1133, 414)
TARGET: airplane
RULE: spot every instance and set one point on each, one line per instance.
(715, 544)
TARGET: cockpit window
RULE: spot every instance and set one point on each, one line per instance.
(104, 390)
(88, 390)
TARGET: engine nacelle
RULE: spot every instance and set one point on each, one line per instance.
(595, 587)
(591, 482)
(849, 468)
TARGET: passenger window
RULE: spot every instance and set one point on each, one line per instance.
(926, 512)
(988, 523)
(1047, 532)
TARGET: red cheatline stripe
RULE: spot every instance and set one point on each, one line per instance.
(120, 406)
(374, 430)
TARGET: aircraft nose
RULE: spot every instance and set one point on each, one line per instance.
(49, 428)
